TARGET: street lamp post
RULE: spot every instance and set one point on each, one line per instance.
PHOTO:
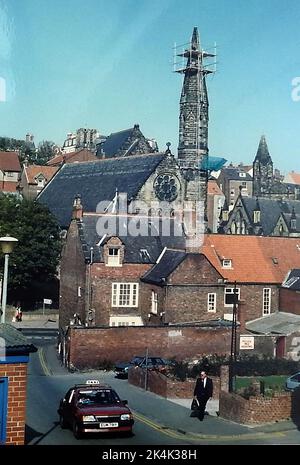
(7, 245)
(233, 349)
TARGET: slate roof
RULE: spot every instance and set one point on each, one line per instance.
(166, 265)
(14, 341)
(115, 141)
(270, 210)
(96, 182)
(233, 174)
(276, 323)
(292, 281)
(255, 259)
(138, 248)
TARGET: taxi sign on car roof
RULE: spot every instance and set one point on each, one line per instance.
(92, 381)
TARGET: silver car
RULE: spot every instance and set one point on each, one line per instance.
(293, 382)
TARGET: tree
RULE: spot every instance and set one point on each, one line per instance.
(45, 152)
(34, 262)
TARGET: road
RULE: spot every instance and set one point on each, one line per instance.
(48, 381)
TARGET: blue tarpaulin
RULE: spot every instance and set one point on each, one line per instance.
(212, 163)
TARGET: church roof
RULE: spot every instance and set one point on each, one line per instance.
(115, 141)
(235, 174)
(165, 266)
(96, 182)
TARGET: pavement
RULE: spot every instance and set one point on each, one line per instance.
(173, 414)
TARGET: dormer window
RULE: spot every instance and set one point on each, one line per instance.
(113, 258)
(226, 263)
(293, 224)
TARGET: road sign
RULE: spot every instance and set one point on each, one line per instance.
(48, 301)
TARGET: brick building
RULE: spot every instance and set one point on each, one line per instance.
(34, 178)
(10, 170)
(14, 357)
(290, 293)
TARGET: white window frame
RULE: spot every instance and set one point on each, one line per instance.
(113, 259)
(154, 302)
(212, 302)
(226, 263)
(229, 290)
(125, 295)
(267, 296)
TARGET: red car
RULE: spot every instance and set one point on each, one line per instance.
(94, 408)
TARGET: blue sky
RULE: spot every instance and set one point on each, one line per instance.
(108, 65)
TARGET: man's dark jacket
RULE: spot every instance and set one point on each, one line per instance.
(201, 391)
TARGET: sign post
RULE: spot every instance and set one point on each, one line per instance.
(46, 302)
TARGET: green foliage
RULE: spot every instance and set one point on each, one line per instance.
(26, 150)
(33, 263)
(44, 153)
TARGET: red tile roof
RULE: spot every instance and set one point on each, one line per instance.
(295, 177)
(34, 170)
(9, 161)
(255, 259)
(83, 154)
(213, 188)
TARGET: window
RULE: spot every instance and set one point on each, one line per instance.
(154, 302)
(266, 301)
(125, 320)
(226, 263)
(125, 295)
(113, 258)
(229, 296)
(211, 302)
(256, 216)
(79, 291)
(242, 175)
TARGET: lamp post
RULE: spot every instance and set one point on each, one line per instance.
(233, 349)
(7, 245)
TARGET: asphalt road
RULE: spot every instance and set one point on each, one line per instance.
(48, 382)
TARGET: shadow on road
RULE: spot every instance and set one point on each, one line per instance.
(31, 434)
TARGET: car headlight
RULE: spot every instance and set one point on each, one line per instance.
(126, 416)
(88, 418)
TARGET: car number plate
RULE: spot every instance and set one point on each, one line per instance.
(108, 425)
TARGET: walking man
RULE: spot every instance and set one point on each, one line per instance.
(203, 392)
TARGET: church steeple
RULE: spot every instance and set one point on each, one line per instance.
(262, 169)
(193, 118)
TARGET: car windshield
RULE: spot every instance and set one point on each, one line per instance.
(97, 397)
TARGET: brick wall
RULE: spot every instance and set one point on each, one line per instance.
(89, 347)
(17, 379)
(289, 301)
(72, 277)
(260, 409)
(167, 387)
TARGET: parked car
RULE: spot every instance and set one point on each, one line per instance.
(121, 368)
(94, 408)
(293, 382)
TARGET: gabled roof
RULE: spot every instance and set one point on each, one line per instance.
(213, 188)
(255, 259)
(276, 323)
(15, 342)
(97, 182)
(33, 171)
(139, 248)
(167, 263)
(9, 161)
(67, 157)
(115, 141)
(270, 209)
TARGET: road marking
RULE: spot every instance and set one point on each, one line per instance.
(43, 362)
(196, 437)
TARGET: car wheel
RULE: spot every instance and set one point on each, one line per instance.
(76, 431)
(62, 422)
